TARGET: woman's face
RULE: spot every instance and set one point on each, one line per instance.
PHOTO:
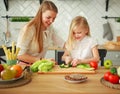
(48, 17)
(79, 33)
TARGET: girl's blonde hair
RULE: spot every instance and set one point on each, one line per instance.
(76, 22)
(37, 22)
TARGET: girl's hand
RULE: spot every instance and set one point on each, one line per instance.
(68, 59)
(75, 62)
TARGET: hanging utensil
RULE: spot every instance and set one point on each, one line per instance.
(7, 32)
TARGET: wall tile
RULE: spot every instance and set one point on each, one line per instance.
(93, 10)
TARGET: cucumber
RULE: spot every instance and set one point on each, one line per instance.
(65, 66)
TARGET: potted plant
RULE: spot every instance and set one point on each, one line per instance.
(118, 20)
(118, 23)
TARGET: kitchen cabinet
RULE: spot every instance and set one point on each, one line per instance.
(114, 56)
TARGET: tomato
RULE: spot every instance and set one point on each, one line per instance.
(94, 64)
(113, 78)
(106, 75)
(18, 69)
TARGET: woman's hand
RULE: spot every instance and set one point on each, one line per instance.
(68, 59)
(75, 62)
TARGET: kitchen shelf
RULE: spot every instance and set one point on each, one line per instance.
(106, 17)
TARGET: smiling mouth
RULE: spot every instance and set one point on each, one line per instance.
(77, 38)
(48, 23)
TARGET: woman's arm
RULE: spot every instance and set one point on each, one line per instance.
(28, 58)
(24, 39)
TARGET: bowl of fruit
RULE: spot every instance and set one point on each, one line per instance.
(111, 78)
(10, 70)
(10, 73)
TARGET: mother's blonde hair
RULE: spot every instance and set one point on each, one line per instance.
(37, 22)
(76, 22)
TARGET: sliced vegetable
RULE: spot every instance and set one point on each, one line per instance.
(65, 66)
(83, 66)
(62, 65)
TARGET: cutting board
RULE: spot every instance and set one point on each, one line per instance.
(58, 70)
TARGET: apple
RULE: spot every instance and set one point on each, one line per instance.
(7, 74)
(108, 63)
(1, 68)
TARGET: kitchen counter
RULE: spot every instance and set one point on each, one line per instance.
(99, 47)
(55, 84)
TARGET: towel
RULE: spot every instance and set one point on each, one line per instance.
(107, 31)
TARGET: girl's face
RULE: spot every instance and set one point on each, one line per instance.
(79, 33)
(48, 18)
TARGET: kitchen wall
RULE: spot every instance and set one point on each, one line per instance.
(93, 10)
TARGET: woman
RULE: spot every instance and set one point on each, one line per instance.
(80, 47)
(38, 35)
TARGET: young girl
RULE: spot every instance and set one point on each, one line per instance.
(80, 47)
(38, 35)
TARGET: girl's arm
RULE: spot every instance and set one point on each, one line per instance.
(95, 57)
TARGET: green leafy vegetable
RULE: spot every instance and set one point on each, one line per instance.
(43, 65)
(83, 66)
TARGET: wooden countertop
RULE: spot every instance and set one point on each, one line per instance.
(99, 47)
(55, 84)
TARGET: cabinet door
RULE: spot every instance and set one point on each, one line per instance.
(114, 56)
